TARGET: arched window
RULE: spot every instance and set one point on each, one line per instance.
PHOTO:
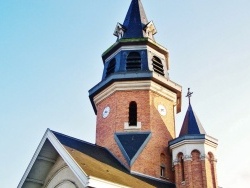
(132, 113)
(133, 61)
(212, 167)
(111, 67)
(181, 162)
(163, 165)
(157, 66)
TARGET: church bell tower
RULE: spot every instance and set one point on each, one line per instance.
(135, 102)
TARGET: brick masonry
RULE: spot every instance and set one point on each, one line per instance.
(198, 172)
(162, 128)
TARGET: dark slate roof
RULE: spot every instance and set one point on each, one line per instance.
(97, 152)
(104, 165)
(135, 20)
(131, 144)
(191, 124)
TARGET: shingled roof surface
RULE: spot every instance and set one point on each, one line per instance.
(98, 162)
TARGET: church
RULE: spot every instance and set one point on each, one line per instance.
(136, 141)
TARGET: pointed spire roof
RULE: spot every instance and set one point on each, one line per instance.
(135, 21)
(191, 124)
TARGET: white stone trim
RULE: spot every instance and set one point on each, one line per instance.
(187, 158)
(33, 159)
(80, 174)
(100, 183)
(76, 169)
(127, 127)
(186, 147)
(135, 85)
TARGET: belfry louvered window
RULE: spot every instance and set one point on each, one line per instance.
(111, 67)
(157, 66)
(133, 61)
(132, 113)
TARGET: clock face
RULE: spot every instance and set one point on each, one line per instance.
(162, 110)
(105, 112)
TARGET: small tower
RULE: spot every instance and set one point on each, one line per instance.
(194, 154)
(135, 102)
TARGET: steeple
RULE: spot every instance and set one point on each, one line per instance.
(135, 102)
(194, 151)
(136, 24)
(135, 20)
(191, 124)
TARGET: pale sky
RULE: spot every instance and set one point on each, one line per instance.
(50, 56)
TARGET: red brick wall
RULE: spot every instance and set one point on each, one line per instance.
(197, 176)
(162, 128)
(199, 173)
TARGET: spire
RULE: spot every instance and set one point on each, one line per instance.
(191, 123)
(136, 24)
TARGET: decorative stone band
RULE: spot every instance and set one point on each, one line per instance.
(187, 158)
(176, 162)
(203, 157)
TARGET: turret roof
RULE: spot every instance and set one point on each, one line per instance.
(191, 124)
(135, 21)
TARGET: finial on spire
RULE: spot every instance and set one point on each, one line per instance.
(189, 95)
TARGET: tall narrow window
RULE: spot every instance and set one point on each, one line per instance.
(132, 113)
(157, 66)
(133, 61)
(212, 168)
(163, 171)
(181, 162)
(163, 165)
(182, 169)
(111, 67)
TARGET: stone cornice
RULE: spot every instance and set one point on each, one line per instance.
(135, 86)
(193, 139)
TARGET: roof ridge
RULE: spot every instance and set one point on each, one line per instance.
(77, 139)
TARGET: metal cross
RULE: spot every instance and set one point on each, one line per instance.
(189, 95)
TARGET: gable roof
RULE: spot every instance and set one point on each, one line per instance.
(90, 163)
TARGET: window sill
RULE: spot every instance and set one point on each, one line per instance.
(133, 127)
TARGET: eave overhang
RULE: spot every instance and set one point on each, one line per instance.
(193, 139)
(36, 172)
(136, 76)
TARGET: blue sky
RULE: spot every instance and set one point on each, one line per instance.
(50, 56)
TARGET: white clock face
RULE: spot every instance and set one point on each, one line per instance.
(162, 110)
(105, 112)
